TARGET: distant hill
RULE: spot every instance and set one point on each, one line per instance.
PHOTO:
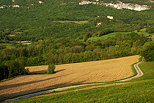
(34, 18)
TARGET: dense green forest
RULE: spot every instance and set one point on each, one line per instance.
(62, 31)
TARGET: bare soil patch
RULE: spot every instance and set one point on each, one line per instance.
(24, 42)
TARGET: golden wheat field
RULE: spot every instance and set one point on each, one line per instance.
(95, 71)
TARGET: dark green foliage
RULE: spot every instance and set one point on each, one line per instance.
(150, 30)
(51, 68)
(12, 68)
(148, 51)
(4, 72)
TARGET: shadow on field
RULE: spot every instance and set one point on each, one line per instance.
(9, 96)
(59, 70)
(25, 83)
(44, 72)
(39, 72)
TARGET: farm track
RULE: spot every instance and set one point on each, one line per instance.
(138, 70)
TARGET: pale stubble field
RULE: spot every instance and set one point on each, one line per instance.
(87, 72)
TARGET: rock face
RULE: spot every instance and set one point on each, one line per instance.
(18, 6)
(98, 24)
(152, 1)
(5, 6)
(15, 6)
(121, 5)
(85, 2)
(1, 7)
(40, 2)
(110, 17)
(118, 5)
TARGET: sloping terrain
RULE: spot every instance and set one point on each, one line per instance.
(46, 11)
(95, 71)
(139, 90)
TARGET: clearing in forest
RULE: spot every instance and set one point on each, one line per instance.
(94, 71)
(77, 22)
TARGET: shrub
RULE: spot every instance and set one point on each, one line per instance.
(51, 69)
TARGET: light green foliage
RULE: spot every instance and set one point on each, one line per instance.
(148, 69)
(115, 34)
(107, 36)
(152, 37)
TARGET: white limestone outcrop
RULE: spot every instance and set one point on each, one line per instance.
(15, 6)
(98, 24)
(40, 2)
(110, 17)
(118, 5)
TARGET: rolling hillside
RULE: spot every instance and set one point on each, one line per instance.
(37, 23)
(87, 40)
(139, 90)
(42, 32)
(87, 72)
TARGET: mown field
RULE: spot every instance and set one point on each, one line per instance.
(110, 35)
(87, 72)
(77, 22)
(139, 90)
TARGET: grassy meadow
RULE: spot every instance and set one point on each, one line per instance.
(105, 37)
(115, 34)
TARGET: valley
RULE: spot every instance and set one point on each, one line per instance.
(50, 44)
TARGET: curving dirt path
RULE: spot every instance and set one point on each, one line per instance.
(138, 70)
